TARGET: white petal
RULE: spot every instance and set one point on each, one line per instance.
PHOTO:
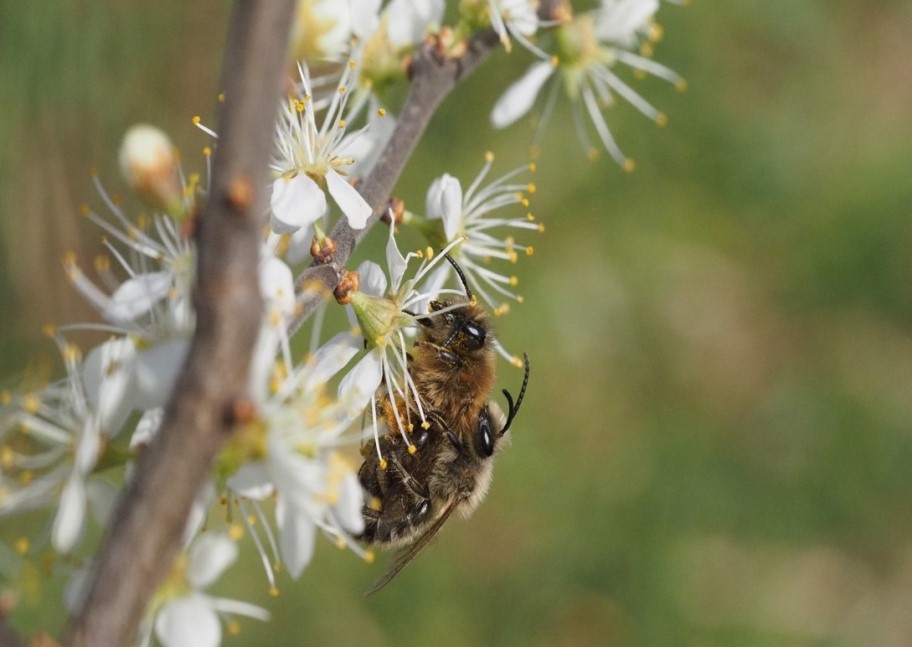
(137, 295)
(107, 373)
(357, 387)
(347, 509)
(296, 538)
(365, 17)
(617, 21)
(330, 358)
(238, 608)
(407, 21)
(520, 96)
(252, 481)
(299, 246)
(147, 427)
(372, 279)
(156, 371)
(296, 202)
(198, 511)
(349, 200)
(188, 622)
(395, 261)
(432, 201)
(451, 206)
(277, 285)
(70, 514)
(210, 554)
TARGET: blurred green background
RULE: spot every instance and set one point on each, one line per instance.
(716, 446)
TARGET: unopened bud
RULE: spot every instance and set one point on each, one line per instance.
(348, 285)
(149, 163)
(322, 249)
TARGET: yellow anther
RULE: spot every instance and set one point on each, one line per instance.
(84, 210)
(22, 545)
(488, 157)
(25, 477)
(235, 532)
(352, 64)
(6, 456)
(31, 403)
(341, 123)
(661, 119)
(196, 120)
(49, 330)
(530, 217)
(273, 592)
(207, 151)
(340, 542)
(383, 464)
(221, 97)
(71, 353)
(379, 341)
(592, 154)
(430, 252)
(69, 258)
(531, 188)
(102, 263)
(555, 60)
(412, 449)
(656, 32)
(381, 112)
(514, 280)
(341, 90)
(531, 250)
(369, 556)
(234, 627)
(681, 85)
(426, 425)
(251, 520)
(647, 50)
(629, 165)
(532, 167)
(375, 504)
(93, 171)
(516, 362)
(520, 298)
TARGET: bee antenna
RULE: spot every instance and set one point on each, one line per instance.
(513, 409)
(462, 276)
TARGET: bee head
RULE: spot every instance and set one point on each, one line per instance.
(462, 328)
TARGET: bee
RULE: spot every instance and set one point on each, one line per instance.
(444, 465)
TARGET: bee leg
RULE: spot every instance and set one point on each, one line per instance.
(412, 486)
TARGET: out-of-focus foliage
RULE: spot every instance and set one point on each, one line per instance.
(716, 446)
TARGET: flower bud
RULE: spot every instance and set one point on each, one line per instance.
(149, 164)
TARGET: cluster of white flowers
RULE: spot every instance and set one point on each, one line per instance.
(286, 473)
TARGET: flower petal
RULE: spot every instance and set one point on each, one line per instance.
(395, 261)
(156, 371)
(373, 280)
(331, 358)
(520, 96)
(210, 554)
(349, 200)
(451, 206)
(137, 295)
(357, 387)
(70, 514)
(107, 373)
(296, 202)
(188, 622)
(296, 537)
(252, 480)
(347, 509)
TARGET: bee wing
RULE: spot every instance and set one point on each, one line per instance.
(410, 552)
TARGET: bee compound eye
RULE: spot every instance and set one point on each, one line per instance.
(475, 332)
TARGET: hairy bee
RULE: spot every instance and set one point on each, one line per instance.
(444, 465)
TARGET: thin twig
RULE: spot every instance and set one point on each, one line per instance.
(149, 521)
